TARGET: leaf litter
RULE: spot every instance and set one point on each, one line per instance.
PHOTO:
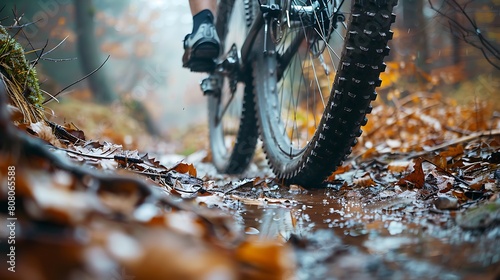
(423, 182)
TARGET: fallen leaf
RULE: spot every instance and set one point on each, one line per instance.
(453, 151)
(185, 168)
(416, 177)
(264, 259)
(342, 169)
(365, 181)
(398, 166)
(44, 132)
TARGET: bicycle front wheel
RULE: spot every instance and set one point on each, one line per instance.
(231, 111)
(316, 69)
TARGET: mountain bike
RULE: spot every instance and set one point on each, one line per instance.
(299, 73)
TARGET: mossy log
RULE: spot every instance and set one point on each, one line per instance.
(20, 79)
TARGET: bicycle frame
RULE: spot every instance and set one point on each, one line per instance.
(301, 77)
(234, 63)
(235, 60)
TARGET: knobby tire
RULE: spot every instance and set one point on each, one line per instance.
(235, 158)
(353, 89)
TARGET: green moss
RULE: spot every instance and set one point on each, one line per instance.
(16, 68)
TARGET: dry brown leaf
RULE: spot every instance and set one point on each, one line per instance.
(15, 113)
(453, 151)
(365, 181)
(416, 177)
(371, 152)
(342, 169)
(167, 254)
(399, 166)
(460, 195)
(263, 259)
(446, 186)
(185, 168)
(441, 162)
(72, 129)
(44, 132)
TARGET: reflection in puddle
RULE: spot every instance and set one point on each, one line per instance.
(396, 238)
(383, 245)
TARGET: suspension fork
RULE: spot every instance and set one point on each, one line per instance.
(263, 19)
(266, 13)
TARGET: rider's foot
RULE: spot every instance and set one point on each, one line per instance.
(201, 47)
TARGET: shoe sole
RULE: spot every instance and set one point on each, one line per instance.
(202, 58)
(205, 51)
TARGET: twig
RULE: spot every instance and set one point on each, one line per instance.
(85, 155)
(399, 118)
(59, 59)
(58, 45)
(151, 174)
(457, 130)
(444, 171)
(61, 132)
(19, 26)
(486, 47)
(237, 187)
(81, 79)
(467, 138)
(50, 95)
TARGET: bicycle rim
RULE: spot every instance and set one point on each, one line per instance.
(232, 121)
(314, 84)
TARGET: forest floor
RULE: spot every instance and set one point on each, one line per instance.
(417, 199)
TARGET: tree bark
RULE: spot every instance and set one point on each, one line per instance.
(89, 55)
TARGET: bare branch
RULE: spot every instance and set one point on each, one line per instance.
(57, 46)
(469, 32)
(81, 79)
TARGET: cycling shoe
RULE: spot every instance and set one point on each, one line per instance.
(201, 49)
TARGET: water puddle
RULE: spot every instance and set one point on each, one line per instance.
(393, 238)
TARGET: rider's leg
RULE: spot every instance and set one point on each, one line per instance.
(200, 5)
(202, 11)
(202, 45)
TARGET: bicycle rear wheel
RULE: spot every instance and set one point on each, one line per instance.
(314, 81)
(231, 112)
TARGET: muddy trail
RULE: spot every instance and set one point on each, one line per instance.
(417, 199)
(95, 211)
(359, 228)
(86, 193)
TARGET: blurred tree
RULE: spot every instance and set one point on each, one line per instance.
(113, 6)
(91, 60)
(45, 20)
(474, 24)
(89, 53)
(415, 24)
(54, 20)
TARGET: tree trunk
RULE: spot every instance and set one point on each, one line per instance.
(456, 42)
(89, 55)
(414, 23)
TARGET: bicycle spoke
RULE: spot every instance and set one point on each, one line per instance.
(306, 130)
(301, 55)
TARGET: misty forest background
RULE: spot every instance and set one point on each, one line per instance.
(418, 198)
(143, 81)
